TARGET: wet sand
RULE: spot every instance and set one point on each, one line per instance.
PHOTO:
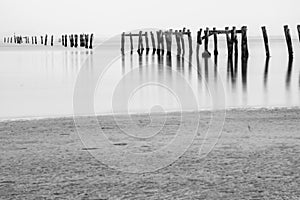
(256, 157)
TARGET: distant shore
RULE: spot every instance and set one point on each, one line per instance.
(257, 156)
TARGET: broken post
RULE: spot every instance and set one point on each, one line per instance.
(298, 28)
(244, 43)
(123, 43)
(153, 42)
(76, 41)
(215, 42)
(131, 44)
(147, 43)
(177, 38)
(182, 42)
(206, 53)
(189, 34)
(91, 41)
(266, 40)
(199, 40)
(288, 40)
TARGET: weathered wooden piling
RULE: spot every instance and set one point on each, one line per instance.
(123, 43)
(215, 42)
(51, 40)
(66, 41)
(63, 40)
(71, 37)
(206, 53)
(288, 40)
(46, 38)
(153, 42)
(177, 38)
(86, 42)
(35, 38)
(162, 43)
(91, 41)
(168, 37)
(182, 42)
(131, 44)
(140, 44)
(189, 34)
(76, 41)
(244, 43)
(42, 40)
(234, 41)
(266, 40)
(158, 43)
(298, 28)
(147, 43)
(199, 40)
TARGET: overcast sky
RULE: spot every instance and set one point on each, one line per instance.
(107, 18)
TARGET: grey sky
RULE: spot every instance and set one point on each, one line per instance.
(111, 17)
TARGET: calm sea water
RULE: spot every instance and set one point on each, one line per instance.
(37, 81)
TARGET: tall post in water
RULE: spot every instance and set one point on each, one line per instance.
(63, 40)
(35, 38)
(215, 41)
(66, 40)
(86, 42)
(234, 42)
(131, 43)
(266, 40)
(42, 40)
(123, 43)
(76, 41)
(288, 40)
(52, 40)
(199, 40)
(46, 38)
(189, 34)
(158, 42)
(147, 43)
(177, 38)
(298, 28)
(153, 42)
(182, 42)
(206, 53)
(91, 41)
(244, 43)
(140, 44)
(162, 42)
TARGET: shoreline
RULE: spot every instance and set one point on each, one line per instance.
(31, 118)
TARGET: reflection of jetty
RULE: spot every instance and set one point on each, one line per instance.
(74, 40)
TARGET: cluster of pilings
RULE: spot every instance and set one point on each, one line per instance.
(287, 38)
(75, 40)
(18, 39)
(158, 44)
(231, 40)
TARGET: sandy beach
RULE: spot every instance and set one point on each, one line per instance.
(256, 157)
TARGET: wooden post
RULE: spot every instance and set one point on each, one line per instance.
(131, 44)
(86, 41)
(206, 53)
(147, 43)
(215, 42)
(46, 38)
(227, 40)
(288, 40)
(169, 42)
(190, 41)
(266, 40)
(182, 42)
(76, 41)
(91, 41)
(162, 42)
(51, 40)
(140, 43)
(153, 42)
(66, 41)
(199, 40)
(177, 38)
(234, 42)
(123, 43)
(35, 38)
(158, 42)
(63, 40)
(244, 43)
(71, 40)
(298, 28)
(42, 40)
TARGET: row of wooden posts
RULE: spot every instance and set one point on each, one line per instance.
(85, 40)
(159, 48)
(231, 40)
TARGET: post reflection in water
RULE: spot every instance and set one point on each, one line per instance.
(266, 72)
(289, 73)
(244, 73)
